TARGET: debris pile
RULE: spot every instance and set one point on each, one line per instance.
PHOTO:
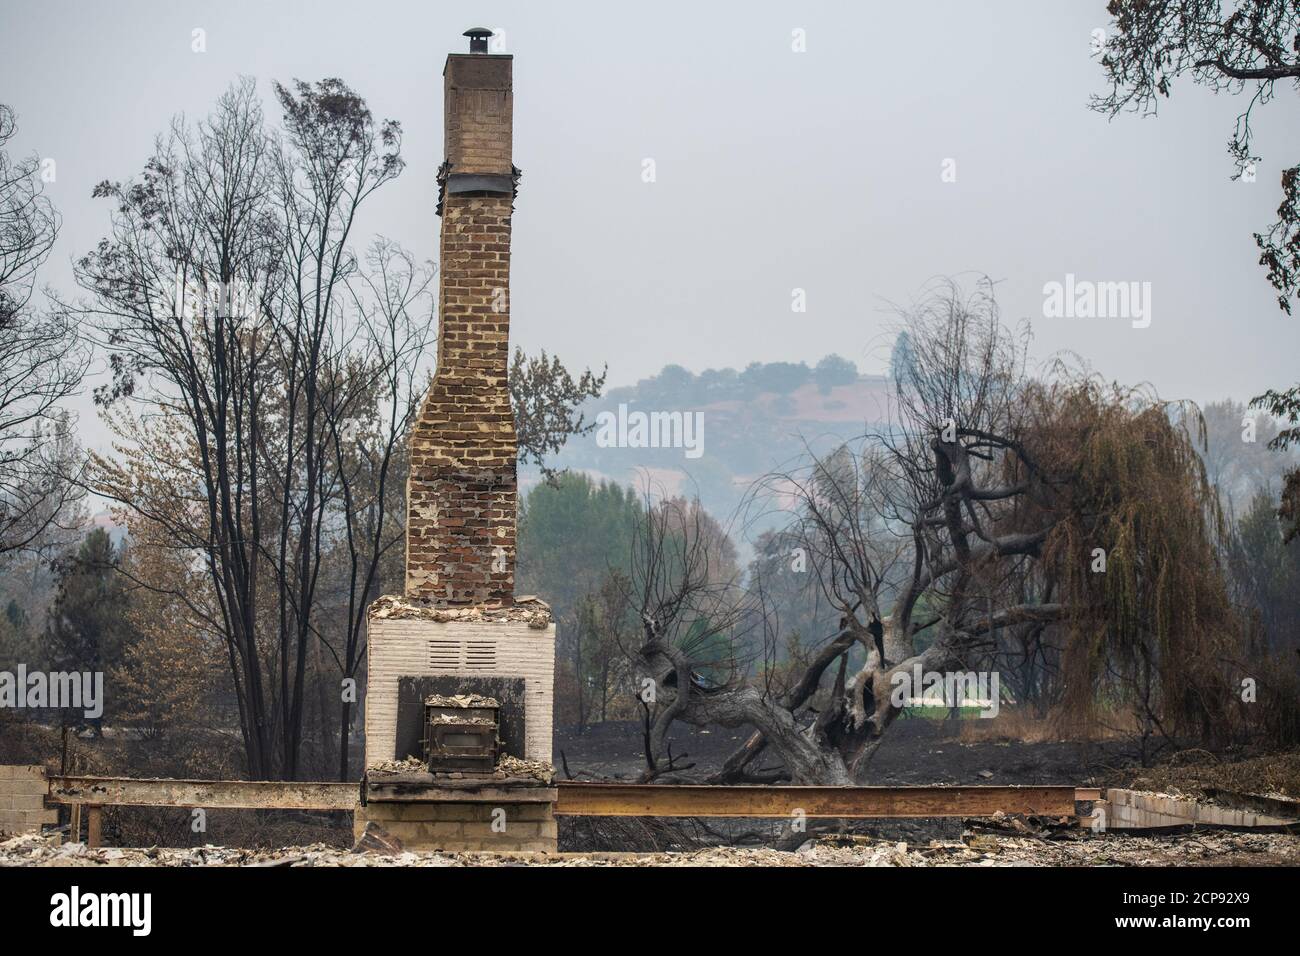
(1275, 776)
(405, 765)
(450, 719)
(518, 767)
(1214, 848)
(464, 701)
(508, 770)
(533, 611)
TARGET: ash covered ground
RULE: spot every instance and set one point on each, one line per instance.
(1205, 849)
(915, 751)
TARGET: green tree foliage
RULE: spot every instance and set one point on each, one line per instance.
(88, 629)
(1266, 572)
(676, 387)
(900, 358)
(834, 370)
(605, 625)
(575, 538)
(780, 377)
(17, 644)
(1286, 405)
(571, 531)
(546, 399)
(717, 384)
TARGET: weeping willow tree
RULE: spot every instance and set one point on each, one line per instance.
(1134, 554)
(1001, 513)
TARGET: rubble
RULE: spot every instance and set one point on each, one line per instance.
(405, 765)
(375, 839)
(460, 700)
(1272, 776)
(518, 767)
(533, 611)
(509, 770)
(1112, 849)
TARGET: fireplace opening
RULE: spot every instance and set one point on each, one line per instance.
(413, 714)
(461, 733)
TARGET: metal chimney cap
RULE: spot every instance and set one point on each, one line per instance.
(478, 39)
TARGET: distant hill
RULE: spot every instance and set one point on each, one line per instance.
(754, 421)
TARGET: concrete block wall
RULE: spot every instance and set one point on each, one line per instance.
(22, 799)
(402, 648)
(445, 825)
(1131, 809)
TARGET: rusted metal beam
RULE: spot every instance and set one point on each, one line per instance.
(593, 799)
(209, 794)
(649, 800)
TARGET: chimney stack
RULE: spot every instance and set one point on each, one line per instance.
(461, 493)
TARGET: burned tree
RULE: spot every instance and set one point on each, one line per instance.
(1250, 49)
(690, 608)
(963, 535)
(221, 297)
(1231, 48)
(265, 379)
(41, 363)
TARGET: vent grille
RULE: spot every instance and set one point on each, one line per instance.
(453, 655)
(444, 655)
(480, 655)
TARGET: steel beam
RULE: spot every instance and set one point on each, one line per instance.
(209, 794)
(596, 799)
(649, 800)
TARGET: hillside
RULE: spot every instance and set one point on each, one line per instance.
(750, 423)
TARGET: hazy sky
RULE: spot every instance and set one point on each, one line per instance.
(776, 170)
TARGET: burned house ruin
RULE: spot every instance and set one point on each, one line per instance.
(460, 671)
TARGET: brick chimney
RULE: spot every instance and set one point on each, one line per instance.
(461, 493)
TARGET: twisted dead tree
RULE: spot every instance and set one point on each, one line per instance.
(968, 529)
(691, 608)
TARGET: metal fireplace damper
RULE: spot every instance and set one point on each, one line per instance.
(461, 733)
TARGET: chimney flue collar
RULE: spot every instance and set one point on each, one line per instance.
(478, 39)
